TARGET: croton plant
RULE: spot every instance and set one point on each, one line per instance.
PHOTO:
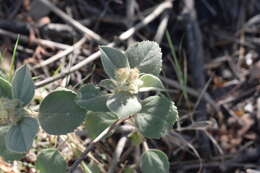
(132, 74)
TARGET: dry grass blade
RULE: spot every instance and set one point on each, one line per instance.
(46, 43)
(62, 54)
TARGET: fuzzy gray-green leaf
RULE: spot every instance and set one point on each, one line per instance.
(108, 84)
(156, 117)
(91, 99)
(23, 87)
(59, 113)
(150, 82)
(50, 160)
(20, 136)
(146, 56)
(112, 59)
(123, 104)
(96, 122)
(4, 152)
(5, 88)
(154, 161)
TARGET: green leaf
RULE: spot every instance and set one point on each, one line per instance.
(50, 161)
(59, 113)
(146, 56)
(123, 104)
(91, 99)
(23, 87)
(156, 117)
(20, 136)
(5, 88)
(4, 152)
(154, 161)
(136, 138)
(112, 59)
(108, 84)
(96, 122)
(150, 82)
(129, 170)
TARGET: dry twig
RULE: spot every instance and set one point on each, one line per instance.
(116, 157)
(73, 22)
(62, 54)
(46, 43)
(96, 140)
(125, 35)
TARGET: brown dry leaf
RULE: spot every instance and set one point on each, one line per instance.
(218, 81)
(239, 113)
(40, 51)
(31, 60)
(37, 55)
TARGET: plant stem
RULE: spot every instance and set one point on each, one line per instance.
(97, 139)
(145, 145)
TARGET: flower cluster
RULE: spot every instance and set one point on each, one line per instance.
(128, 80)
